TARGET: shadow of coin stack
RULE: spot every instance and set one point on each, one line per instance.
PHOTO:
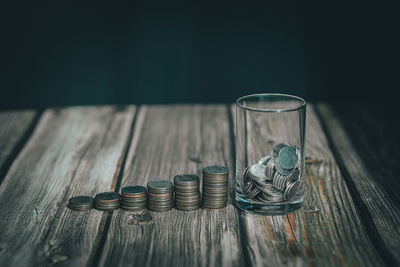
(107, 201)
(215, 187)
(160, 197)
(134, 198)
(187, 192)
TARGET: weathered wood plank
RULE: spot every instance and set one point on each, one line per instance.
(174, 140)
(327, 231)
(72, 151)
(13, 128)
(367, 144)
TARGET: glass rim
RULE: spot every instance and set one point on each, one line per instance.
(271, 110)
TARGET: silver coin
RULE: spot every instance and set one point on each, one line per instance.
(275, 151)
(186, 180)
(212, 170)
(292, 190)
(134, 200)
(264, 160)
(107, 197)
(160, 186)
(257, 172)
(133, 190)
(288, 157)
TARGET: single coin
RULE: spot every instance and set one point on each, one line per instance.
(188, 203)
(187, 208)
(160, 186)
(205, 207)
(213, 181)
(264, 160)
(134, 199)
(129, 208)
(133, 190)
(151, 206)
(213, 209)
(108, 204)
(160, 209)
(161, 205)
(107, 197)
(186, 179)
(160, 196)
(213, 170)
(79, 208)
(183, 196)
(106, 207)
(186, 188)
(81, 201)
(275, 151)
(288, 157)
(216, 184)
(133, 203)
(257, 172)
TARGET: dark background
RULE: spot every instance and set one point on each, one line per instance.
(59, 53)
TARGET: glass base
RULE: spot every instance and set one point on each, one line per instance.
(269, 209)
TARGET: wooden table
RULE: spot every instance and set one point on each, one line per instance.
(350, 217)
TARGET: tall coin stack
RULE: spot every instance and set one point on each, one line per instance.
(187, 192)
(215, 187)
(107, 201)
(160, 196)
(134, 198)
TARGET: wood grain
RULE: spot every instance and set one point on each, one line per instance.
(172, 140)
(13, 128)
(327, 231)
(73, 151)
(367, 144)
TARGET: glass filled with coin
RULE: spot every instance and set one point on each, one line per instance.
(270, 136)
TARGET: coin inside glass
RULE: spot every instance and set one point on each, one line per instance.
(288, 157)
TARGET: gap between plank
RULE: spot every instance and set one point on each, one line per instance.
(105, 221)
(20, 145)
(241, 216)
(362, 210)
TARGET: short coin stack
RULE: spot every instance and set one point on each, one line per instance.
(134, 198)
(160, 195)
(215, 187)
(80, 203)
(107, 201)
(187, 192)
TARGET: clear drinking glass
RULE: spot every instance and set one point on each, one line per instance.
(270, 136)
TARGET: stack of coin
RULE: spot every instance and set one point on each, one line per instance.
(134, 198)
(107, 201)
(80, 203)
(215, 187)
(160, 195)
(187, 192)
